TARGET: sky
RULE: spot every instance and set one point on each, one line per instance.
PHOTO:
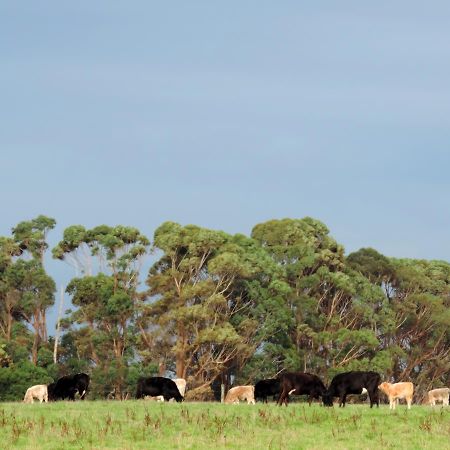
(228, 114)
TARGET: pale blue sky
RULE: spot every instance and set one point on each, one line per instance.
(227, 114)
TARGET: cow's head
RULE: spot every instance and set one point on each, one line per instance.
(383, 387)
(327, 398)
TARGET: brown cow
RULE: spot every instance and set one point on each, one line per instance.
(241, 393)
(299, 383)
(438, 395)
(396, 391)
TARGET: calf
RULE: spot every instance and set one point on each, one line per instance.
(299, 383)
(265, 388)
(39, 391)
(438, 395)
(396, 391)
(355, 382)
(156, 386)
(68, 386)
(241, 393)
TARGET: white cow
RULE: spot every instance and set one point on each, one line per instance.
(39, 391)
(438, 395)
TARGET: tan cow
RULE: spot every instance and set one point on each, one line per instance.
(396, 391)
(438, 395)
(39, 391)
(241, 393)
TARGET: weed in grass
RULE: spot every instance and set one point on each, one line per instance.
(425, 425)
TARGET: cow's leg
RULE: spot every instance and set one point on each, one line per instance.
(409, 401)
(445, 401)
(342, 399)
(373, 396)
(280, 398)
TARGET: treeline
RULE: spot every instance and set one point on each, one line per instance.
(217, 308)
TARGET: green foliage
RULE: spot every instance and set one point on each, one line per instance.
(16, 379)
(220, 306)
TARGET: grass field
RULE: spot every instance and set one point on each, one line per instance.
(140, 424)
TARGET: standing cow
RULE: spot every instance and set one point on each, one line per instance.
(39, 391)
(353, 382)
(156, 386)
(68, 386)
(299, 383)
(397, 391)
(266, 388)
(438, 395)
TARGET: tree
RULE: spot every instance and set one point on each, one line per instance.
(334, 309)
(31, 235)
(35, 294)
(201, 299)
(109, 260)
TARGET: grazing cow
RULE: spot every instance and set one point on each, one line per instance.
(299, 383)
(68, 386)
(265, 388)
(439, 395)
(241, 393)
(155, 386)
(355, 382)
(396, 391)
(39, 391)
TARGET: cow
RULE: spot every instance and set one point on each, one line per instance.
(265, 388)
(396, 391)
(299, 383)
(355, 382)
(68, 386)
(155, 386)
(39, 392)
(241, 393)
(439, 395)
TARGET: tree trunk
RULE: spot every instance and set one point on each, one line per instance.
(181, 352)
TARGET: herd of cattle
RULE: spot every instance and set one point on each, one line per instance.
(287, 384)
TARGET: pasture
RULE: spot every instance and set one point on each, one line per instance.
(142, 424)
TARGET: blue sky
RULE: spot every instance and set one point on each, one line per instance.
(227, 114)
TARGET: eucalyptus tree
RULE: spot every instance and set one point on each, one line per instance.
(418, 307)
(31, 235)
(26, 289)
(9, 297)
(31, 293)
(201, 300)
(333, 307)
(107, 262)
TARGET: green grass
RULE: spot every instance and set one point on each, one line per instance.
(140, 424)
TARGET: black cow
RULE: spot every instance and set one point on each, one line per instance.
(155, 386)
(264, 388)
(68, 386)
(352, 383)
(299, 383)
